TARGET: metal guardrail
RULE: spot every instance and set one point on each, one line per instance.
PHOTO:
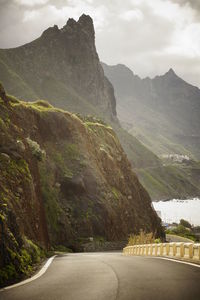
(176, 250)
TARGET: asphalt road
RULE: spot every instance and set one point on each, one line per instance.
(111, 276)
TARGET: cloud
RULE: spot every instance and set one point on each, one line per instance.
(148, 36)
(193, 3)
(31, 2)
(131, 15)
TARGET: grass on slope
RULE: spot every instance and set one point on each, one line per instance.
(168, 182)
(14, 84)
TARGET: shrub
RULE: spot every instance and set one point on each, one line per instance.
(37, 152)
(185, 223)
(140, 239)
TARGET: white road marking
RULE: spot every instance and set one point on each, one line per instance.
(178, 261)
(39, 274)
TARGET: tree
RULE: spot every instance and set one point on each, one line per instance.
(185, 223)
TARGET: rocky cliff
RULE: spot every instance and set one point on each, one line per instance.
(63, 179)
(63, 67)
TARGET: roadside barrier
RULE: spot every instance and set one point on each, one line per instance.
(177, 250)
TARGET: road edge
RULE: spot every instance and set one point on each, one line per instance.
(36, 276)
(178, 261)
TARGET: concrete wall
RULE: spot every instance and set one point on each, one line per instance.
(176, 250)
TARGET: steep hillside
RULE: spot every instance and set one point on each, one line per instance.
(62, 66)
(63, 179)
(163, 113)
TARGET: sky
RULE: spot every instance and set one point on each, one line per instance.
(149, 36)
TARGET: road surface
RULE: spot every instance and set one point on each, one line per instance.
(111, 276)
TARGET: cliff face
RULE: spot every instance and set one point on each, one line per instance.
(63, 67)
(64, 179)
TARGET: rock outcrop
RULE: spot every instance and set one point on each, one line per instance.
(66, 60)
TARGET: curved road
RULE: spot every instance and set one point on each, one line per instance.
(102, 276)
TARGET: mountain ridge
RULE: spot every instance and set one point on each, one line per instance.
(173, 101)
(163, 113)
(63, 67)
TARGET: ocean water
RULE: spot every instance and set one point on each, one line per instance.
(174, 210)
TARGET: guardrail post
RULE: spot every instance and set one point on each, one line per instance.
(196, 252)
(172, 249)
(160, 249)
(165, 249)
(188, 250)
(185, 250)
(154, 249)
(179, 249)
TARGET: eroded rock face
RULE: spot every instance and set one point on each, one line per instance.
(65, 59)
(70, 181)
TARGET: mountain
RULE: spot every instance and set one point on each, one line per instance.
(62, 63)
(63, 179)
(163, 112)
(63, 67)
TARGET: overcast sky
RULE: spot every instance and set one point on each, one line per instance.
(149, 36)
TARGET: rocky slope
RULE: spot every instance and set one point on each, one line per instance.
(63, 67)
(163, 113)
(63, 179)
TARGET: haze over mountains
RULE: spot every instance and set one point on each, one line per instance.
(63, 67)
(163, 112)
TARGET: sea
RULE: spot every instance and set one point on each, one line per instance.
(175, 209)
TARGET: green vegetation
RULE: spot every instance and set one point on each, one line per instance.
(42, 103)
(170, 181)
(37, 152)
(13, 83)
(116, 193)
(183, 229)
(185, 223)
(50, 196)
(21, 262)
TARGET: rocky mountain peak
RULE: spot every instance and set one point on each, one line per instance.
(171, 73)
(51, 31)
(86, 23)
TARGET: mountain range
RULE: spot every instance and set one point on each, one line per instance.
(62, 66)
(163, 112)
